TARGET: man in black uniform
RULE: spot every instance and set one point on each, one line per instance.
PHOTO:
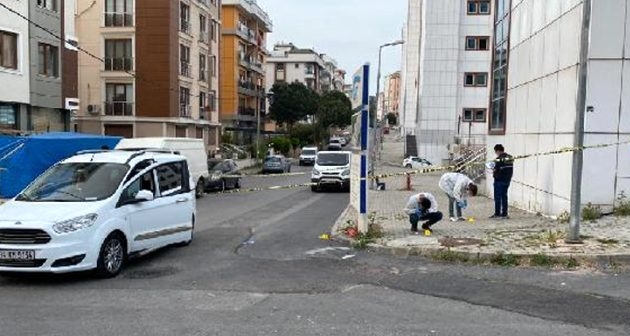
(503, 170)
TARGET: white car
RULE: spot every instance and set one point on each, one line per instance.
(415, 162)
(94, 210)
(332, 169)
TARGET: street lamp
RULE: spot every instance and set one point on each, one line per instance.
(378, 89)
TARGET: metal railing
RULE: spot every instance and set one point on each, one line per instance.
(119, 108)
(113, 19)
(118, 63)
(185, 69)
(184, 111)
(184, 26)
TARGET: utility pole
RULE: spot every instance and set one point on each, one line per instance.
(258, 130)
(374, 119)
(578, 155)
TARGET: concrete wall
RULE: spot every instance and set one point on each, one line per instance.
(541, 101)
(410, 67)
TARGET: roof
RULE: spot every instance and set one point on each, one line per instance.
(122, 157)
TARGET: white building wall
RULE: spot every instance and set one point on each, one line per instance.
(410, 68)
(15, 83)
(542, 96)
(444, 61)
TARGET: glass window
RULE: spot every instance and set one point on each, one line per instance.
(472, 7)
(118, 13)
(480, 115)
(468, 115)
(469, 80)
(171, 178)
(118, 55)
(48, 60)
(484, 7)
(471, 43)
(8, 50)
(8, 116)
(144, 182)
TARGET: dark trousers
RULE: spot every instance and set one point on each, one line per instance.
(501, 198)
(430, 218)
(453, 207)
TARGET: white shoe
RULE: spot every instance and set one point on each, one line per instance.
(453, 219)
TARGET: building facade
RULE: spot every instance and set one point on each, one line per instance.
(156, 70)
(37, 69)
(243, 83)
(535, 93)
(391, 95)
(288, 63)
(410, 68)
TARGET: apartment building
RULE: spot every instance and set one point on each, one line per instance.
(37, 70)
(391, 95)
(535, 92)
(156, 70)
(339, 80)
(288, 63)
(410, 68)
(243, 83)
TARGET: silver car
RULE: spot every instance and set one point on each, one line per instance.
(276, 164)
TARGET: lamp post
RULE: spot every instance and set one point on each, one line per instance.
(378, 89)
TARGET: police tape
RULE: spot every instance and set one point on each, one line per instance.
(539, 189)
(280, 187)
(514, 158)
(264, 175)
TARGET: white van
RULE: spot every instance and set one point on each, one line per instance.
(309, 153)
(96, 209)
(332, 168)
(193, 149)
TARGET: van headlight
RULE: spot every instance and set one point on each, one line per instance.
(316, 172)
(345, 172)
(75, 224)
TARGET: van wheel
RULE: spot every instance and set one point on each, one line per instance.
(112, 256)
(408, 166)
(200, 188)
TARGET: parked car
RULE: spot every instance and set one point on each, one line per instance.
(308, 156)
(332, 169)
(415, 162)
(224, 174)
(96, 209)
(341, 140)
(334, 145)
(193, 149)
(276, 164)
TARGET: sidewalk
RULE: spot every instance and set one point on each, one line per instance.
(524, 234)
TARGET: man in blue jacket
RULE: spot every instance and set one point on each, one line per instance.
(502, 173)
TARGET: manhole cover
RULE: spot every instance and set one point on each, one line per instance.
(454, 242)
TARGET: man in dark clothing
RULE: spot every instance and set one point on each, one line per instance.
(502, 173)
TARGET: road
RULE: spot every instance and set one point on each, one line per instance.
(257, 267)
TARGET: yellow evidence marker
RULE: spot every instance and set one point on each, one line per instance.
(471, 220)
(427, 233)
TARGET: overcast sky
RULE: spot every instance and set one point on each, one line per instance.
(348, 30)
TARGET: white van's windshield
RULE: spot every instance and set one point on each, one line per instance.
(332, 159)
(309, 152)
(76, 182)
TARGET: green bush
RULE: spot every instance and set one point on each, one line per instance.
(506, 260)
(281, 144)
(622, 208)
(591, 212)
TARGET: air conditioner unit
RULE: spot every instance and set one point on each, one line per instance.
(93, 109)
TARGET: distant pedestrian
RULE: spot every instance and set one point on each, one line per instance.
(423, 207)
(457, 188)
(502, 173)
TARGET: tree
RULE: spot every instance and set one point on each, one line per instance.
(291, 103)
(372, 110)
(392, 118)
(335, 110)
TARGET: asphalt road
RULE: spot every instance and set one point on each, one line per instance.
(257, 267)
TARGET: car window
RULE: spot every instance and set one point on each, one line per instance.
(144, 182)
(171, 178)
(138, 168)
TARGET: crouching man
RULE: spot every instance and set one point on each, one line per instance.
(422, 207)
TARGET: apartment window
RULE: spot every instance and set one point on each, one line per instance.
(8, 116)
(212, 101)
(47, 4)
(118, 55)
(474, 115)
(184, 102)
(479, 7)
(184, 18)
(203, 28)
(48, 61)
(500, 62)
(477, 42)
(118, 13)
(478, 79)
(310, 69)
(119, 99)
(213, 30)
(203, 67)
(8, 50)
(203, 103)
(280, 74)
(297, 65)
(199, 132)
(213, 66)
(184, 60)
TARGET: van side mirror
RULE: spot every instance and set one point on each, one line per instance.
(144, 196)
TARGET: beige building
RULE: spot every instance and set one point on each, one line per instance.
(391, 93)
(158, 74)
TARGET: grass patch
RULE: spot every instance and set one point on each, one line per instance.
(505, 260)
(591, 212)
(564, 217)
(541, 260)
(572, 263)
(622, 208)
(450, 256)
(608, 241)
(362, 240)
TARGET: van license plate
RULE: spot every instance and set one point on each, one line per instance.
(17, 255)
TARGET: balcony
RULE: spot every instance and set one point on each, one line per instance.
(184, 111)
(248, 88)
(204, 36)
(185, 69)
(184, 27)
(119, 108)
(118, 63)
(250, 64)
(113, 19)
